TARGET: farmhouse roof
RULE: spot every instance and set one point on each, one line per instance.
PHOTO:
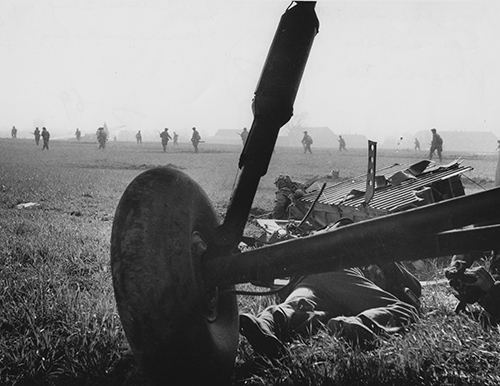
(226, 132)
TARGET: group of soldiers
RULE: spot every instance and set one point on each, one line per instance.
(307, 141)
(45, 137)
(436, 144)
(165, 138)
(102, 137)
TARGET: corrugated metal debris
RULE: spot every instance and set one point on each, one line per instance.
(399, 188)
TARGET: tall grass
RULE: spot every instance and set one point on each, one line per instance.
(58, 323)
(441, 349)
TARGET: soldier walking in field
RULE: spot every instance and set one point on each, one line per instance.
(165, 137)
(176, 138)
(436, 145)
(138, 137)
(195, 139)
(307, 142)
(417, 144)
(244, 135)
(37, 135)
(78, 134)
(341, 143)
(13, 132)
(102, 137)
(45, 138)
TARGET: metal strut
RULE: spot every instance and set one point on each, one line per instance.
(272, 107)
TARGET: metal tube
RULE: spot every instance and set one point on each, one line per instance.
(272, 107)
(409, 235)
(456, 241)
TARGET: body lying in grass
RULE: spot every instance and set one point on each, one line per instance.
(346, 302)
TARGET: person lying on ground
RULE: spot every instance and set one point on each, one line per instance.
(346, 302)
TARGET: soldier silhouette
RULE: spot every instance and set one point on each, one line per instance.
(165, 137)
(37, 136)
(45, 138)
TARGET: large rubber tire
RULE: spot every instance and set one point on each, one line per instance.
(158, 285)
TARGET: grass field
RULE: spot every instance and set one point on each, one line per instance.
(58, 321)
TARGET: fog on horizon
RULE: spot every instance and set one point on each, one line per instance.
(376, 68)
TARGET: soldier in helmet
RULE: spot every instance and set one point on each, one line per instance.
(307, 142)
(288, 191)
(436, 145)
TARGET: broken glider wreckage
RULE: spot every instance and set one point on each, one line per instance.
(399, 188)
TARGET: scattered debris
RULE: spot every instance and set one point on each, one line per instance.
(273, 226)
(301, 209)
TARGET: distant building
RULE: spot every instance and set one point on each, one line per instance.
(283, 140)
(127, 135)
(226, 137)
(355, 141)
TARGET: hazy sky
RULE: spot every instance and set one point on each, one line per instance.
(376, 67)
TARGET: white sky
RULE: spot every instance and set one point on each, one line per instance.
(376, 67)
